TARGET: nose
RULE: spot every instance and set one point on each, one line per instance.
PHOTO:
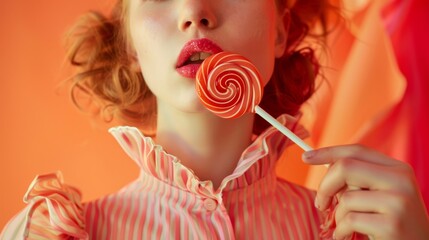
(197, 14)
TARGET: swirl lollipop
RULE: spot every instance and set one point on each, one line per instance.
(229, 85)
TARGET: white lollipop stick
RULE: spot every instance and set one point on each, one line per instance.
(288, 133)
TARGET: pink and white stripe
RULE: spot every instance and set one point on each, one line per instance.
(168, 201)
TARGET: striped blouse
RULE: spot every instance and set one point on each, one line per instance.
(168, 201)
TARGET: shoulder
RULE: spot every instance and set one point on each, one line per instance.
(54, 211)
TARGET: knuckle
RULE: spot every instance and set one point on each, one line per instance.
(409, 187)
(407, 181)
(357, 148)
(350, 219)
(400, 205)
(343, 165)
(406, 168)
(346, 197)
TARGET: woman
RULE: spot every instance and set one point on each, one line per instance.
(214, 178)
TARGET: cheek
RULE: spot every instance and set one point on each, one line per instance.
(262, 51)
(258, 43)
(147, 58)
(141, 37)
(147, 29)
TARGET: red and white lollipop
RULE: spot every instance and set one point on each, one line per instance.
(229, 85)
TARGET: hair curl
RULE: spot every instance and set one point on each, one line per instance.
(106, 69)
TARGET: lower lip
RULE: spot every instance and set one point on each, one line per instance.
(189, 71)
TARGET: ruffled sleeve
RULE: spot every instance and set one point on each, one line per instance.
(54, 211)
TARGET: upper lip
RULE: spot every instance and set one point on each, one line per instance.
(202, 45)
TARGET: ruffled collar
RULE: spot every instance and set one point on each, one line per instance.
(256, 162)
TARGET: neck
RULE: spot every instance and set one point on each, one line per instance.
(207, 144)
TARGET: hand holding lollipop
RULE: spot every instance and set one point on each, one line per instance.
(229, 85)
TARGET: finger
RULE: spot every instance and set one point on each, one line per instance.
(369, 224)
(365, 201)
(330, 155)
(378, 214)
(353, 174)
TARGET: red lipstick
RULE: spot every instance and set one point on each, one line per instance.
(192, 55)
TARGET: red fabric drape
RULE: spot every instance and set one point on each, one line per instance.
(406, 22)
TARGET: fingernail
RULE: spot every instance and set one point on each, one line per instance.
(309, 154)
(316, 204)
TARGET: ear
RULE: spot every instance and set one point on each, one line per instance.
(134, 63)
(133, 59)
(283, 22)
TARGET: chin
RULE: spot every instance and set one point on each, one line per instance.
(185, 105)
(195, 107)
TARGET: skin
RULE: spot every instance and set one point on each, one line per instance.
(378, 196)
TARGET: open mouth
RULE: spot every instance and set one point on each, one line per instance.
(193, 54)
(197, 58)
